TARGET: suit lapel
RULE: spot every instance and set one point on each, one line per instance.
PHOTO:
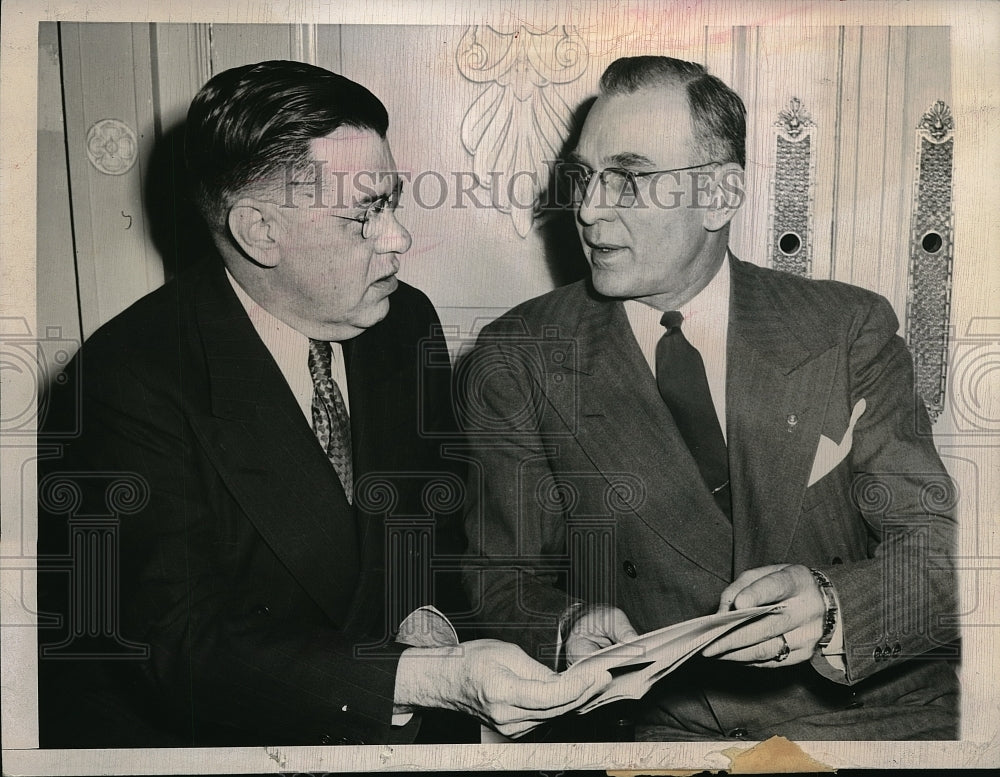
(266, 452)
(378, 409)
(777, 387)
(625, 429)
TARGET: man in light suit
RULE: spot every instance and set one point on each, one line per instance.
(255, 439)
(684, 433)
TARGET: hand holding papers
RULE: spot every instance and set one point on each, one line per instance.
(593, 627)
(494, 681)
(634, 665)
(788, 637)
(637, 664)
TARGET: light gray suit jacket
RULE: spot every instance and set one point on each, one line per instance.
(583, 490)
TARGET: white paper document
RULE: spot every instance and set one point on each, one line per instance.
(637, 664)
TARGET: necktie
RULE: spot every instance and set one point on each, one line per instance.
(681, 379)
(331, 423)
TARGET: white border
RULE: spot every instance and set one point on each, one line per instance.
(976, 80)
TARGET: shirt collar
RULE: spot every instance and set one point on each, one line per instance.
(288, 347)
(278, 336)
(706, 327)
(705, 313)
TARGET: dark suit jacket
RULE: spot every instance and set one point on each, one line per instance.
(240, 599)
(584, 483)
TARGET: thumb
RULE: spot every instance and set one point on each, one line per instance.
(727, 600)
(585, 679)
(622, 629)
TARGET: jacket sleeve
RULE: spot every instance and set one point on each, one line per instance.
(516, 566)
(901, 601)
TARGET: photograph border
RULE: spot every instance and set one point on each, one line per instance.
(975, 43)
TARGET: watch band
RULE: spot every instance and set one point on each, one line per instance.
(830, 602)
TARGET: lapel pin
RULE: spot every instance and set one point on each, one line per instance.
(791, 419)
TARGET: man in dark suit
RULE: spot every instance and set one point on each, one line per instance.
(684, 433)
(251, 501)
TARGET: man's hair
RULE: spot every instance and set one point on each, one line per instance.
(718, 116)
(249, 126)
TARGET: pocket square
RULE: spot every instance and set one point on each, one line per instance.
(828, 453)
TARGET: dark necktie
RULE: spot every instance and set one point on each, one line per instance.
(681, 379)
(331, 423)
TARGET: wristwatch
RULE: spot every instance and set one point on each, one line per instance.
(830, 601)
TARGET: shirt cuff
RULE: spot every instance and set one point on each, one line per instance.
(426, 626)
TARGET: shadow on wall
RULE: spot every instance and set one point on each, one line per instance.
(176, 229)
(557, 223)
(182, 239)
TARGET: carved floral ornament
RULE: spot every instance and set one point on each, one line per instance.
(937, 121)
(112, 146)
(794, 119)
(519, 122)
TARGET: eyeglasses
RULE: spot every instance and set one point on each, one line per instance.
(618, 184)
(387, 203)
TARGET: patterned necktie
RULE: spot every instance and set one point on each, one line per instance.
(331, 423)
(681, 379)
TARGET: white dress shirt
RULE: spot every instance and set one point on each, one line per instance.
(706, 324)
(290, 349)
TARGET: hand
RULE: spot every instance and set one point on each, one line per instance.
(800, 621)
(495, 681)
(599, 626)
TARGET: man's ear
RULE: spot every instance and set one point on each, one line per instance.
(254, 226)
(726, 197)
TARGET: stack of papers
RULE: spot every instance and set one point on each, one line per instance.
(639, 663)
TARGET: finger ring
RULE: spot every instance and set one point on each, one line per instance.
(785, 650)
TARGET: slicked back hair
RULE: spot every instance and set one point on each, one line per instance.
(718, 116)
(248, 126)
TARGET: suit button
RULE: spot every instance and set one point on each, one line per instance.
(836, 560)
(623, 730)
(262, 609)
(896, 650)
(629, 568)
(877, 653)
(325, 739)
(738, 733)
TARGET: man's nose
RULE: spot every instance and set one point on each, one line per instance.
(594, 205)
(392, 236)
